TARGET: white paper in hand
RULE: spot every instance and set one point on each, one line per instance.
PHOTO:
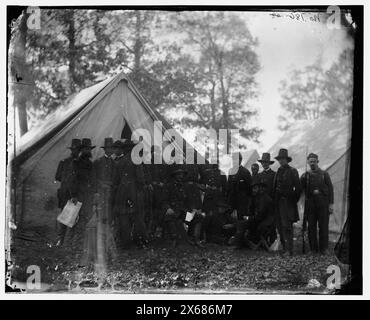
(69, 214)
(189, 216)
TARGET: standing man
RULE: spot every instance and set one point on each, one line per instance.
(287, 190)
(194, 192)
(211, 183)
(238, 189)
(267, 175)
(128, 183)
(64, 175)
(318, 189)
(148, 193)
(103, 171)
(159, 179)
(82, 191)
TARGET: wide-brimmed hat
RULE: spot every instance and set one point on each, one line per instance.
(312, 155)
(283, 153)
(75, 144)
(108, 143)
(266, 157)
(86, 143)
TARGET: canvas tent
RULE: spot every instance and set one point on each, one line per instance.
(107, 109)
(249, 157)
(331, 140)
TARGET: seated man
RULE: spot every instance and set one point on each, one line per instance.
(258, 228)
(218, 225)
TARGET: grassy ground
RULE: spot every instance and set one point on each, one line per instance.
(186, 269)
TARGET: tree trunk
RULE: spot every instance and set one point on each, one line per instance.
(213, 104)
(20, 75)
(138, 44)
(71, 35)
(225, 110)
(225, 107)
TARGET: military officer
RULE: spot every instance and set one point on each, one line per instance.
(218, 224)
(128, 184)
(319, 194)
(286, 190)
(211, 183)
(195, 197)
(257, 227)
(82, 191)
(148, 194)
(64, 175)
(159, 179)
(103, 171)
(267, 175)
(238, 188)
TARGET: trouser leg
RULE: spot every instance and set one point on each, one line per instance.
(279, 227)
(288, 236)
(286, 225)
(241, 228)
(312, 227)
(171, 224)
(125, 224)
(197, 231)
(89, 253)
(140, 231)
(323, 220)
(61, 230)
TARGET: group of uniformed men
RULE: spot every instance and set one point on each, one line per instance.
(142, 202)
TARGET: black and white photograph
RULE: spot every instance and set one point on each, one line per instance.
(183, 150)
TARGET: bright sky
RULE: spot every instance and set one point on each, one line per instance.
(285, 43)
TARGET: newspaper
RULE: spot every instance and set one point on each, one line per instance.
(69, 214)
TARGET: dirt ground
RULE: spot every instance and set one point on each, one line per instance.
(185, 269)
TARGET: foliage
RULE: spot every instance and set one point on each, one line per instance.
(313, 92)
(211, 84)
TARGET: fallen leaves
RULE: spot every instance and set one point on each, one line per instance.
(212, 268)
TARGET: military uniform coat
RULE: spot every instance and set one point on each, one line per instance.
(103, 173)
(192, 181)
(82, 189)
(287, 191)
(238, 191)
(267, 177)
(65, 175)
(210, 177)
